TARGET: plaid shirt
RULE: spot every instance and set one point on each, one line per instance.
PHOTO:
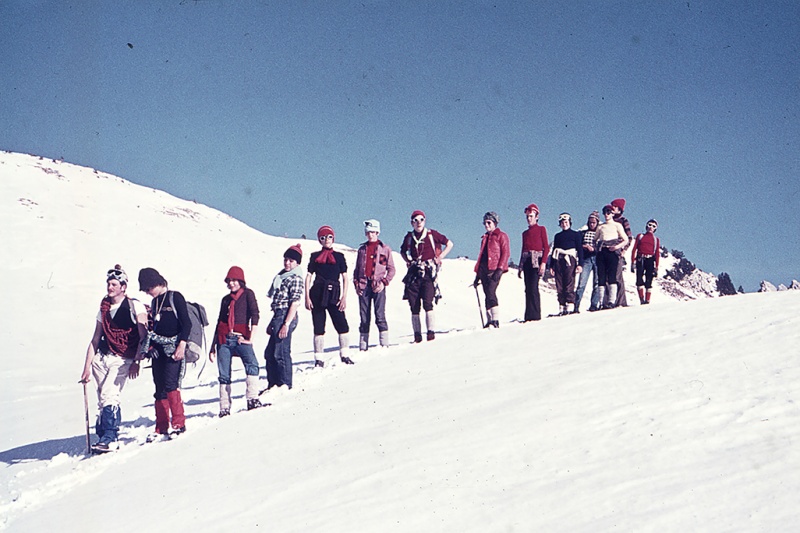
(290, 291)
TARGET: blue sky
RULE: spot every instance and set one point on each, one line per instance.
(290, 115)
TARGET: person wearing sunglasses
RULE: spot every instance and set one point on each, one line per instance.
(373, 272)
(565, 263)
(238, 318)
(610, 241)
(618, 205)
(492, 263)
(113, 354)
(326, 290)
(644, 260)
(532, 261)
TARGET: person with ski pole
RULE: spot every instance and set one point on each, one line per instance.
(565, 263)
(532, 262)
(166, 344)
(492, 263)
(286, 293)
(423, 250)
(326, 290)
(238, 319)
(113, 355)
(644, 260)
(373, 272)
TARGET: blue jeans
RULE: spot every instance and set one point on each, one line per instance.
(279, 351)
(225, 353)
(589, 266)
(378, 300)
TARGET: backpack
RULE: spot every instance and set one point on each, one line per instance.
(197, 332)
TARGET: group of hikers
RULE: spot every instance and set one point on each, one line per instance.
(127, 331)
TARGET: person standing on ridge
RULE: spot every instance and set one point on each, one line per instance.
(589, 265)
(565, 262)
(113, 354)
(423, 251)
(610, 240)
(532, 261)
(325, 292)
(166, 344)
(286, 292)
(619, 207)
(373, 272)
(238, 318)
(644, 260)
(492, 263)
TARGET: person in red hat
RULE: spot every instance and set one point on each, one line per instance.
(423, 250)
(532, 261)
(618, 205)
(238, 318)
(286, 293)
(326, 290)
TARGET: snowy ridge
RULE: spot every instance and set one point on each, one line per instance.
(681, 415)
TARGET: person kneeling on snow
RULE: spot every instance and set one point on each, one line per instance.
(113, 354)
(238, 318)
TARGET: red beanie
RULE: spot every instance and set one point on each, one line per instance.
(619, 203)
(532, 208)
(294, 252)
(325, 230)
(418, 213)
(235, 273)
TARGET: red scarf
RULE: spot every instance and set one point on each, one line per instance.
(326, 256)
(121, 341)
(231, 306)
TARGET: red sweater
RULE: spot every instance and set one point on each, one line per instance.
(646, 244)
(535, 239)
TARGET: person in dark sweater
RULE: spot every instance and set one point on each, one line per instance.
(238, 318)
(565, 262)
(166, 343)
(326, 290)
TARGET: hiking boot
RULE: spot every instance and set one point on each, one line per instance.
(417, 337)
(224, 412)
(319, 363)
(102, 447)
(255, 403)
(177, 432)
(346, 360)
(495, 323)
(431, 335)
(155, 437)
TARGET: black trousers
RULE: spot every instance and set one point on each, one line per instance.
(533, 305)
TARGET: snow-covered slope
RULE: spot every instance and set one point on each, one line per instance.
(674, 416)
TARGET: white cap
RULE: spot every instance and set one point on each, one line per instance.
(372, 225)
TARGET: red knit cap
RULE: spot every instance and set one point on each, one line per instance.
(532, 208)
(294, 252)
(325, 230)
(418, 213)
(235, 273)
(619, 203)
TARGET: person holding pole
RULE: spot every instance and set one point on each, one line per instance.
(113, 355)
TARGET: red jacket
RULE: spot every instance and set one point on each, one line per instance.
(497, 244)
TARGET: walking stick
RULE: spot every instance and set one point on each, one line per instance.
(86, 412)
(480, 308)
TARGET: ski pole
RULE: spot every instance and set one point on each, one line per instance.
(86, 413)
(480, 309)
